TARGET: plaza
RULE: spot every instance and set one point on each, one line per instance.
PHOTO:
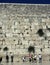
(26, 63)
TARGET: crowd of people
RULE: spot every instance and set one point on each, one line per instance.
(34, 58)
(30, 58)
(7, 57)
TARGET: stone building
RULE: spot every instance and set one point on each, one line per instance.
(19, 24)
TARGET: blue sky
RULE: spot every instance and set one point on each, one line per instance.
(26, 1)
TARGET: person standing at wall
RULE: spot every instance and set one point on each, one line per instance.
(40, 58)
(35, 58)
(0, 59)
(12, 57)
(7, 58)
(24, 58)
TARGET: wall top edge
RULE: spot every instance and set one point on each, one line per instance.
(23, 4)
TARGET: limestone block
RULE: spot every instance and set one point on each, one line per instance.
(31, 42)
(25, 34)
(41, 38)
(26, 20)
(48, 33)
(36, 23)
(44, 20)
(48, 24)
(38, 42)
(0, 42)
(18, 31)
(46, 45)
(9, 34)
(49, 42)
(25, 42)
(46, 51)
(44, 25)
(23, 51)
(32, 26)
(38, 51)
(34, 30)
(48, 37)
(45, 42)
(28, 37)
(33, 38)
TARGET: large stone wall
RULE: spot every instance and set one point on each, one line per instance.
(19, 24)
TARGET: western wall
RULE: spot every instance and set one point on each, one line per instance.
(19, 24)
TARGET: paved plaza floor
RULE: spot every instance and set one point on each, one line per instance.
(26, 63)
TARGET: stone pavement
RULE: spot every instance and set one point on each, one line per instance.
(25, 63)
